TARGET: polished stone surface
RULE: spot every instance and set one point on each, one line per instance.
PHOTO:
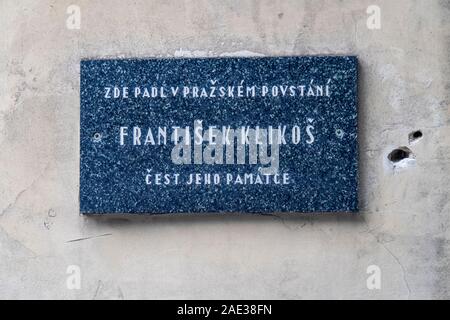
(308, 105)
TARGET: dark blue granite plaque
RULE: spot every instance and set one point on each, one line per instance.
(250, 135)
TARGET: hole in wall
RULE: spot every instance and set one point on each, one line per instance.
(400, 154)
(415, 135)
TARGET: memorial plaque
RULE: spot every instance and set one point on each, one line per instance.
(248, 135)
